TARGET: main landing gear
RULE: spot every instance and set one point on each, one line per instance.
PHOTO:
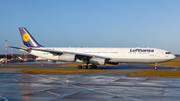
(87, 66)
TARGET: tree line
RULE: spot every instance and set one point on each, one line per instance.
(15, 56)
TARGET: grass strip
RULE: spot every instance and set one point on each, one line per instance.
(75, 65)
(58, 71)
(175, 63)
(20, 65)
(157, 73)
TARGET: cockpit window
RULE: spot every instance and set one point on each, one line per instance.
(168, 52)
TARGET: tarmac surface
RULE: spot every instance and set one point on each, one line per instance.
(111, 85)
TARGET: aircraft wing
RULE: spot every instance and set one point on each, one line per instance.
(19, 48)
(57, 52)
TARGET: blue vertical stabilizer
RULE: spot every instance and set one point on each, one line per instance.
(27, 38)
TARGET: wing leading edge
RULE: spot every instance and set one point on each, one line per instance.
(57, 52)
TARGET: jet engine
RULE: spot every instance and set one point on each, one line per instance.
(67, 57)
(98, 61)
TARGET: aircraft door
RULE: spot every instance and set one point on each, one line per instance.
(157, 54)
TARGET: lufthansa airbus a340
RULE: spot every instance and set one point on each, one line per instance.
(91, 57)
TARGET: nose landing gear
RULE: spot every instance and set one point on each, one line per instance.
(155, 67)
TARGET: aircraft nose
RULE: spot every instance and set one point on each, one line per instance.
(173, 56)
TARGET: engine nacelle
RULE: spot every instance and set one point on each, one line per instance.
(98, 61)
(67, 57)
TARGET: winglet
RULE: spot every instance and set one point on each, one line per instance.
(27, 38)
(24, 46)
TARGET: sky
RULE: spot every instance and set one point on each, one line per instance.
(92, 23)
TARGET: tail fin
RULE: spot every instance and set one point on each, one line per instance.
(27, 38)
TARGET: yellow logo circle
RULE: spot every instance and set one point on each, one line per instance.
(26, 37)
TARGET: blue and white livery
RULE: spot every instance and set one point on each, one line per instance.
(90, 57)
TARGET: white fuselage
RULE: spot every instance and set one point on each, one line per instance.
(115, 55)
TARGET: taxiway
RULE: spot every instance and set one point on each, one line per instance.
(110, 85)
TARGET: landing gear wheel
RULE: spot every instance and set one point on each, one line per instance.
(84, 67)
(94, 67)
(79, 66)
(155, 68)
(90, 67)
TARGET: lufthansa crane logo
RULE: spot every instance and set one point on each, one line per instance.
(26, 37)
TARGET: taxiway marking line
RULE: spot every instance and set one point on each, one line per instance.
(88, 89)
(15, 80)
(5, 99)
(53, 93)
(102, 92)
(5, 75)
(106, 93)
(174, 69)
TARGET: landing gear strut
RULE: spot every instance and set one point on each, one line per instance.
(155, 67)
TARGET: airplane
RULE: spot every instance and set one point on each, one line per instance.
(91, 57)
(20, 59)
(3, 60)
